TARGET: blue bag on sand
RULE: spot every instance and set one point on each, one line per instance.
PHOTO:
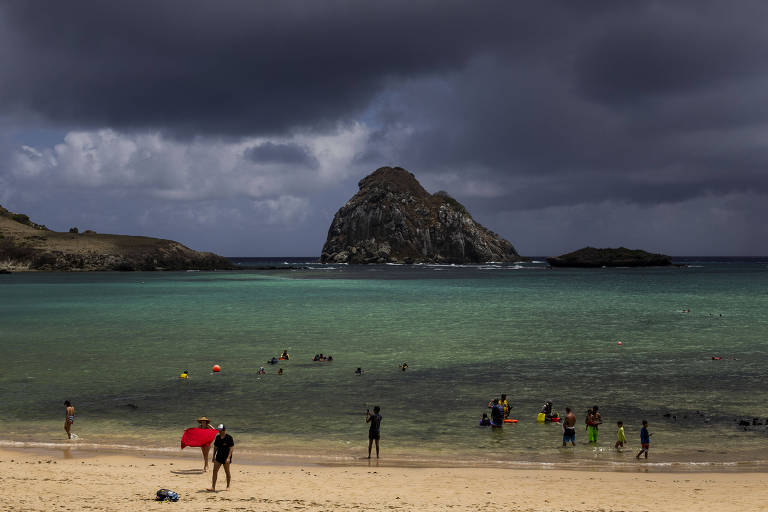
(167, 495)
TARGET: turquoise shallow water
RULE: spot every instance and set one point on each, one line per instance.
(114, 344)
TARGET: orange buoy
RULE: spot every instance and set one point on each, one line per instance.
(216, 368)
(510, 421)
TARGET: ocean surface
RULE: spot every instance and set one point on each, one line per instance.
(115, 343)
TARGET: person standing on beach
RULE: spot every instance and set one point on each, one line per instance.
(645, 440)
(204, 422)
(223, 447)
(593, 421)
(569, 427)
(69, 418)
(374, 432)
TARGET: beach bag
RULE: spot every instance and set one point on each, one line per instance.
(167, 495)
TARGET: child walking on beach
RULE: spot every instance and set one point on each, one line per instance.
(645, 440)
(620, 437)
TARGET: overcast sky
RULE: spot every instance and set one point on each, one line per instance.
(242, 126)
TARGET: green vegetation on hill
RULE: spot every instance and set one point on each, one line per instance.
(25, 245)
(20, 218)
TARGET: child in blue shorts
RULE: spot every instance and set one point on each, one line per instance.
(645, 440)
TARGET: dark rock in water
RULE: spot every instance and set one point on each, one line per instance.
(393, 219)
(621, 257)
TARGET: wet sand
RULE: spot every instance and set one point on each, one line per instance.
(35, 480)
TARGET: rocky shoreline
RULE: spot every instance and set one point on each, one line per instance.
(26, 246)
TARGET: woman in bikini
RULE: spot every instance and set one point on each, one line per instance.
(69, 418)
(206, 448)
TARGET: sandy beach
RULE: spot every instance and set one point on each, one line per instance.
(44, 481)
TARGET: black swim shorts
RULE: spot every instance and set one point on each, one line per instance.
(374, 435)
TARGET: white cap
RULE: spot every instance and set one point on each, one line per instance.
(221, 427)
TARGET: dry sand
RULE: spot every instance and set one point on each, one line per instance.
(48, 481)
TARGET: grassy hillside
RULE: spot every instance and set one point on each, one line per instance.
(25, 245)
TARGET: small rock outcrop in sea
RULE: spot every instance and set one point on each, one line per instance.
(393, 219)
(25, 245)
(621, 257)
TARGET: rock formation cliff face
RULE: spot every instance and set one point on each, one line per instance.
(393, 219)
(25, 245)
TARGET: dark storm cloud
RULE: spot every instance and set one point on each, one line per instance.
(232, 66)
(511, 107)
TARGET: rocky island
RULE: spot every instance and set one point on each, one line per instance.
(590, 257)
(393, 219)
(25, 245)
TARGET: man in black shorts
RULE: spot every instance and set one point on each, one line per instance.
(374, 432)
(223, 446)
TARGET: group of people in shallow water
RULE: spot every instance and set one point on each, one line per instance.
(285, 356)
(500, 409)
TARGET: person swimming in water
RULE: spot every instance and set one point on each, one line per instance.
(359, 371)
(404, 366)
(485, 421)
(184, 374)
(284, 356)
(547, 410)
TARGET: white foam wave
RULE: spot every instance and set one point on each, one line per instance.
(82, 445)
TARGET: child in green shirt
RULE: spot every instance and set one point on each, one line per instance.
(620, 437)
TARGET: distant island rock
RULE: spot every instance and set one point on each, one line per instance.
(25, 246)
(392, 219)
(621, 257)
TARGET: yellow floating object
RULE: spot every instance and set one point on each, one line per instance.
(183, 376)
(541, 417)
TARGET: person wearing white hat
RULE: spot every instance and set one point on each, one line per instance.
(223, 446)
